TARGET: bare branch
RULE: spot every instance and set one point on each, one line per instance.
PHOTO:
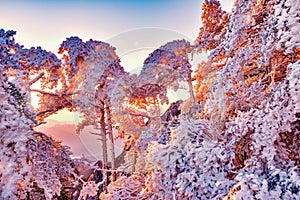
(95, 134)
(48, 111)
(36, 78)
(53, 94)
(40, 123)
(139, 115)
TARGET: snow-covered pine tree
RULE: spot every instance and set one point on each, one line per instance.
(254, 93)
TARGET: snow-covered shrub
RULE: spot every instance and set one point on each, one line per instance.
(126, 188)
(32, 164)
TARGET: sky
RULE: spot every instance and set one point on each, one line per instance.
(47, 23)
(134, 27)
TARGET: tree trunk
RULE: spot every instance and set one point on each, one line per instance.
(191, 90)
(111, 144)
(104, 149)
(134, 160)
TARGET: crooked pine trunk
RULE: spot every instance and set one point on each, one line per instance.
(191, 90)
(110, 140)
(104, 150)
